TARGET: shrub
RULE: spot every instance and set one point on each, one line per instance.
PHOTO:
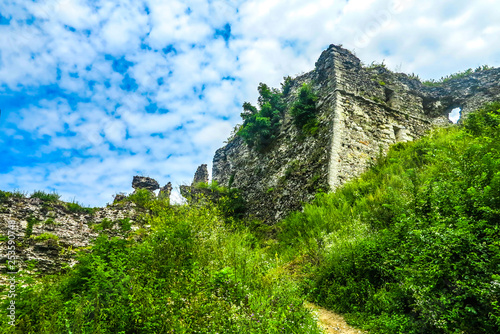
(304, 110)
(141, 197)
(52, 197)
(75, 207)
(4, 196)
(29, 228)
(125, 224)
(45, 236)
(261, 126)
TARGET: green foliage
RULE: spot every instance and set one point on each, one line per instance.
(261, 126)
(4, 195)
(75, 207)
(433, 83)
(49, 197)
(45, 236)
(304, 110)
(50, 221)
(229, 200)
(125, 224)
(29, 228)
(190, 274)
(286, 86)
(412, 245)
(141, 197)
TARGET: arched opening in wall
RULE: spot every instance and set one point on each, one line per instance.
(455, 115)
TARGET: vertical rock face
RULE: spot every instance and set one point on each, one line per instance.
(201, 175)
(192, 192)
(165, 191)
(362, 111)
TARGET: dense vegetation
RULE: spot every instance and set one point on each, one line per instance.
(461, 74)
(261, 125)
(190, 272)
(304, 110)
(412, 246)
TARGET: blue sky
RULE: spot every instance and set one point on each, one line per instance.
(94, 92)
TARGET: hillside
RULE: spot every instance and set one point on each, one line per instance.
(411, 246)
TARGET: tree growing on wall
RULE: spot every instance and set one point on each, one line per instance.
(261, 125)
(304, 110)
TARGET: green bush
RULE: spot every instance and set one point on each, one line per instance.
(261, 126)
(75, 207)
(52, 197)
(29, 228)
(412, 245)
(191, 274)
(45, 236)
(304, 110)
(4, 196)
(141, 197)
(125, 224)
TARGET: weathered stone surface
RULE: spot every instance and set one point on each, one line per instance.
(201, 175)
(73, 230)
(165, 191)
(362, 111)
(143, 182)
(194, 193)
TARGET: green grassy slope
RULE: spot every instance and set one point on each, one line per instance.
(412, 246)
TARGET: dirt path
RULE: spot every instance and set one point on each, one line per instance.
(331, 322)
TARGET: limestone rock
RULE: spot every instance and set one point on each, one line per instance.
(143, 182)
(165, 191)
(361, 111)
(71, 230)
(201, 175)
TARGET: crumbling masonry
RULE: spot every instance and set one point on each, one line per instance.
(362, 111)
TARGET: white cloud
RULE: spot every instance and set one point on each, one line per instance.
(65, 47)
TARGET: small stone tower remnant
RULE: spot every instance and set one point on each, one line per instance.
(201, 175)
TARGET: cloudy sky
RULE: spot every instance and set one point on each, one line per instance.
(94, 92)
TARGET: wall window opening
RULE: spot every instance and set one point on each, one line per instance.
(454, 115)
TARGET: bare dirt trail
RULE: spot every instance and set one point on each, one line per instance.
(332, 323)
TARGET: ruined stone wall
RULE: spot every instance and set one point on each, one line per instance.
(362, 111)
(73, 231)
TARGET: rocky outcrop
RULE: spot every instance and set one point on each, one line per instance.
(143, 182)
(165, 191)
(201, 175)
(361, 112)
(199, 189)
(47, 234)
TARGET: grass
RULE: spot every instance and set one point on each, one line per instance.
(44, 196)
(76, 207)
(411, 246)
(191, 273)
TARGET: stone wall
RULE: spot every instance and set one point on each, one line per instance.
(73, 231)
(362, 111)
